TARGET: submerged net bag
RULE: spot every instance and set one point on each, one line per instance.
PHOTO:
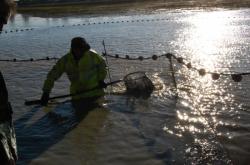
(140, 77)
(138, 82)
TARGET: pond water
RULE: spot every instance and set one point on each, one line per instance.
(208, 121)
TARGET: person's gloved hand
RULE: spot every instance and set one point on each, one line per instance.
(45, 98)
(102, 84)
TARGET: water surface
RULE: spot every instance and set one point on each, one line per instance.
(206, 123)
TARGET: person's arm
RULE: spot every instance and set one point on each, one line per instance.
(54, 74)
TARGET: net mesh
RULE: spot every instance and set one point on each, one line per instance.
(147, 75)
(138, 82)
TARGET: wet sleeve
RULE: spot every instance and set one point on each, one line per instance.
(53, 75)
(3, 91)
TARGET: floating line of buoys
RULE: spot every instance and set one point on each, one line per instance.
(16, 30)
(86, 24)
(237, 77)
(29, 60)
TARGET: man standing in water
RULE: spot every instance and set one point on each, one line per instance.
(8, 149)
(85, 69)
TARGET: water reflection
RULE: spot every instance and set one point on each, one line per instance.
(58, 123)
(206, 117)
(210, 39)
(200, 112)
(25, 19)
(207, 35)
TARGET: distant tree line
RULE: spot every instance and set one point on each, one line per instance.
(30, 2)
(23, 2)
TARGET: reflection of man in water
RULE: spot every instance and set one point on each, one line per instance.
(8, 153)
(78, 136)
(7, 8)
(83, 106)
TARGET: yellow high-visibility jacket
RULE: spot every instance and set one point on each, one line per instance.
(83, 75)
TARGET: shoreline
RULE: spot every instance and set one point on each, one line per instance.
(70, 8)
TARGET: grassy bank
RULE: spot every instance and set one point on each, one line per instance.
(57, 9)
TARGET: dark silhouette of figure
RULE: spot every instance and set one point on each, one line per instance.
(8, 149)
(85, 69)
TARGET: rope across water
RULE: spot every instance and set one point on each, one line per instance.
(237, 77)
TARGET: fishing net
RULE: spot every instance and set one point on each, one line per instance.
(138, 82)
(141, 77)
